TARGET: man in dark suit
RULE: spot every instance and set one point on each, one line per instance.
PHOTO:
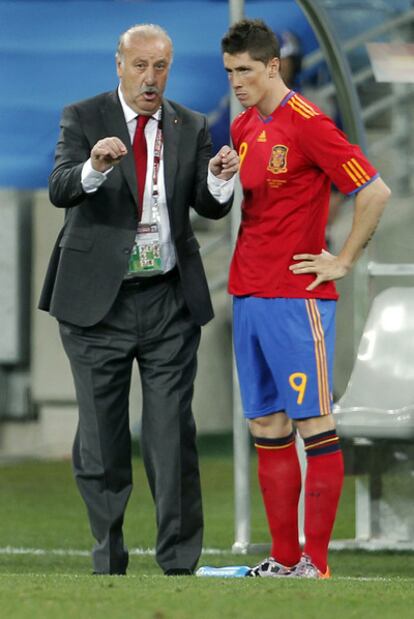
(125, 281)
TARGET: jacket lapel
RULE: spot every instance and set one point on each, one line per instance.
(171, 127)
(115, 124)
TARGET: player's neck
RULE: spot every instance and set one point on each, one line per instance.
(274, 98)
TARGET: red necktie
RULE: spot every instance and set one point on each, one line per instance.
(139, 146)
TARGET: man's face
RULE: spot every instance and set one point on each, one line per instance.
(143, 71)
(250, 79)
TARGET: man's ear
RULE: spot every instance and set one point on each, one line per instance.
(274, 67)
(118, 63)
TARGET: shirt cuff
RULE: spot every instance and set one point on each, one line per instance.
(220, 189)
(92, 179)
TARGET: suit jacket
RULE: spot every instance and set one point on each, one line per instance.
(91, 254)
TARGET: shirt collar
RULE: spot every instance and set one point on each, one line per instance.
(129, 113)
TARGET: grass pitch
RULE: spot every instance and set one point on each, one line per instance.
(45, 568)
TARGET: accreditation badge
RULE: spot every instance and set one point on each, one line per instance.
(145, 258)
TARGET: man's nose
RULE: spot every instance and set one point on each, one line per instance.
(149, 77)
(235, 81)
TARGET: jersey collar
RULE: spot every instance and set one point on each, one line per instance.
(268, 119)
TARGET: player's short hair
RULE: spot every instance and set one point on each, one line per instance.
(252, 36)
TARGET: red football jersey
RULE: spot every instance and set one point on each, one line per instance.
(288, 162)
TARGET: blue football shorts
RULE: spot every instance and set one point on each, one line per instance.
(284, 352)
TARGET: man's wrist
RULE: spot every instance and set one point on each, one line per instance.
(92, 179)
(220, 188)
(346, 263)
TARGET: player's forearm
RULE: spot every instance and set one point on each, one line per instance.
(369, 207)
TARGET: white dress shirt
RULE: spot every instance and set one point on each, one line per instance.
(91, 180)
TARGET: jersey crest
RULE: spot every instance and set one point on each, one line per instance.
(278, 159)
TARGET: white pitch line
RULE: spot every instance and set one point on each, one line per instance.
(70, 552)
(9, 550)
(372, 578)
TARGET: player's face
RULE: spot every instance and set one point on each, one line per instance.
(251, 79)
(143, 71)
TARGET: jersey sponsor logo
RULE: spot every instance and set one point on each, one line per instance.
(278, 159)
(262, 137)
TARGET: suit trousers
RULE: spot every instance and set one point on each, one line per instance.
(152, 325)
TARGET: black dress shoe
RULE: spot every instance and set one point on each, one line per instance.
(178, 571)
(108, 573)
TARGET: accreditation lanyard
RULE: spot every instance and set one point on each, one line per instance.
(155, 210)
(146, 257)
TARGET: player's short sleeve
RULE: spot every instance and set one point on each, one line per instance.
(327, 147)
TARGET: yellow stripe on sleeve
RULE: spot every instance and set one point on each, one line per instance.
(353, 162)
(351, 174)
(298, 110)
(306, 107)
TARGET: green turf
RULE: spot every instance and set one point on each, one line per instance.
(46, 492)
(40, 509)
(155, 597)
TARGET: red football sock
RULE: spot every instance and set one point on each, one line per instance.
(323, 485)
(280, 482)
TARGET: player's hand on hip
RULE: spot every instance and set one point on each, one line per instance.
(325, 266)
(225, 164)
(107, 153)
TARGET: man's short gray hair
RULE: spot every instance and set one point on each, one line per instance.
(146, 31)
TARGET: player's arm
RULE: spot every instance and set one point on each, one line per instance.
(370, 202)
